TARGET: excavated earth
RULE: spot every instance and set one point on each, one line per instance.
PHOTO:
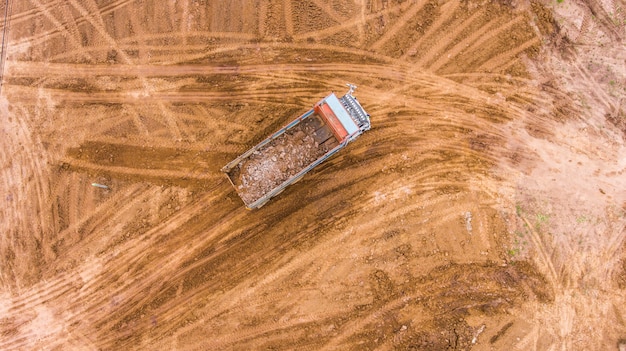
(276, 162)
(484, 210)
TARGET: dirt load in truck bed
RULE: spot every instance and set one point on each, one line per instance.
(278, 161)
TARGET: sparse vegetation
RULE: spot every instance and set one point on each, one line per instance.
(542, 218)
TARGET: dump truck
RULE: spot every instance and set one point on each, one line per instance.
(287, 155)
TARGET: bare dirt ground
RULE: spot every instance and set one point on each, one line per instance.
(485, 209)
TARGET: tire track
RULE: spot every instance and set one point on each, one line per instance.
(184, 24)
(603, 18)
(133, 115)
(184, 35)
(35, 156)
(138, 172)
(448, 9)
(159, 54)
(201, 291)
(477, 46)
(74, 207)
(443, 42)
(8, 12)
(99, 26)
(584, 28)
(362, 22)
(71, 28)
(288, 15)
(225, 303)
(74, 39)
(418, 301)
(552, 276)
(464, 45)
(506, 58)
(143, 52)
(107, 212)
(128, 43)
(172, 97)
(593, 86)
(24, 189)
(327, 32)
(49, 291)
(294, 46)
(42, 294)
(353, 328)
(132, 255)
(30, 14)
(327, 8)
(392, 72)
(236, 339)
(401, 23)
(166, 143)
(616, 243)
(263, 70)
(225, 300)
(99, 122)
(139, 43)
(472, 77)
(177, 97)
(112, 6)
(230, 48)
(262, 17)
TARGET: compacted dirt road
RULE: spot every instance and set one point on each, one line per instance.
(485, 209)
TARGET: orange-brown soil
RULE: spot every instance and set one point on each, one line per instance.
(484, 210)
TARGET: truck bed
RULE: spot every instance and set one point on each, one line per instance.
(282, 158)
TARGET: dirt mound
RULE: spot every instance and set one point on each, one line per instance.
(278, 161)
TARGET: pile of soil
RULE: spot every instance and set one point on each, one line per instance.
(278, 161)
